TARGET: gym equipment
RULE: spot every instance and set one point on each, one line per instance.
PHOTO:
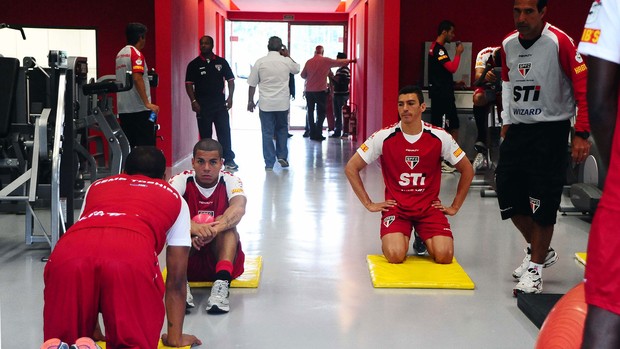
(159, 346)
(44, 118)
(581, 257)
(34, 158)
(586, 191)
(563, 327)
(249, 279)
(417, 272)
(537, 306)
(203, 218)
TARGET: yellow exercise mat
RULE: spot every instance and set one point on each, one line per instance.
(159, 346)
(417, 272)
(581, 257)
(249, 279)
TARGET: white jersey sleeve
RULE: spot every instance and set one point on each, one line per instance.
(372, 148)
(179, 233)
(234, 186)
(450, 150)
(179, 181)
(601, 34)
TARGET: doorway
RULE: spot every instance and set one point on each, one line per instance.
(247, 42)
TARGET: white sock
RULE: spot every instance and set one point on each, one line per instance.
(536, 266)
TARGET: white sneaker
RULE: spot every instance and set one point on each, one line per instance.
(447, 168)
(530, 282)
(479, 162)
(189, 299)
(550, 260)
(218, 301)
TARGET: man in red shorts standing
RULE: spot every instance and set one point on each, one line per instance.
(411, 153)
(216, 254)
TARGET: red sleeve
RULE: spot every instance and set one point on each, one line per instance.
(574, 67)
(137, 61)
(453, 66)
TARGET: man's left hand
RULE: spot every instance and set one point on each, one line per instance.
(580, 149)
(450, 211)
(229, 103)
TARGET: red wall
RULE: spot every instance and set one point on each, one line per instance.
(484, 24)
(375, 79)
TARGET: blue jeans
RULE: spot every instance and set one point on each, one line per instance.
(339, 101)
(274, 122)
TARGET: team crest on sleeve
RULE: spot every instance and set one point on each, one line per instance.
(524, 68)
(534, 204)
(364, 147)
(412, 161)
(388, 220)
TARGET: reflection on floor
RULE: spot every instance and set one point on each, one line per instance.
(315, 290)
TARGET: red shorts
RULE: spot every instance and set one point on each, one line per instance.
(201, 264)
(602, 284)
(427, 224)
(112, 271)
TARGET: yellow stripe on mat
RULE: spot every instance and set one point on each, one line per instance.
(249, 279)
(581, 257)
(417, 272)
(159, 346)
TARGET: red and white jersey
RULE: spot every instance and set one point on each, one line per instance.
(411, 164)
(214, 200)
(127, 202)
(130, 59)
(483, 57)
(544, 82)
(601, 35)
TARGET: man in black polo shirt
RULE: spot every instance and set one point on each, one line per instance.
(204, 83)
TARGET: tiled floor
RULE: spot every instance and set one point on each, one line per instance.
(315, 289)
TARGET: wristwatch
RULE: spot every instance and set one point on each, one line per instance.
(583, 134)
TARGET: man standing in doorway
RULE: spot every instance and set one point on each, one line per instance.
(204, 84)
(315, 72)
(134, 106)
(272, 75)
(543, 79)
(441, 83)
(340, 82)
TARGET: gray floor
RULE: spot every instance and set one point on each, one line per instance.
(315, 289)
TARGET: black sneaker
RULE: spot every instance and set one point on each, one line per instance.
(283, 163)
(418, 245)
(231, 165)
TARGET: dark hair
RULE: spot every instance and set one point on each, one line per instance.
(341, 55)
(444, 25)
(412, 89)
(275, 44)
(146, 160)
(134, 32)
(207, 37)
(540, 4)
(208, 144)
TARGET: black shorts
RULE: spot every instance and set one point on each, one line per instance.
(444, 105)
(531, 172)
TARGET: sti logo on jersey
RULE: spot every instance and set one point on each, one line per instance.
(411, 161)
(534, 204)
(524, 68)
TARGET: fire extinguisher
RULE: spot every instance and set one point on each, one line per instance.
(350, 119)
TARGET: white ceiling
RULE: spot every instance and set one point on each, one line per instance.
(300, 6)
